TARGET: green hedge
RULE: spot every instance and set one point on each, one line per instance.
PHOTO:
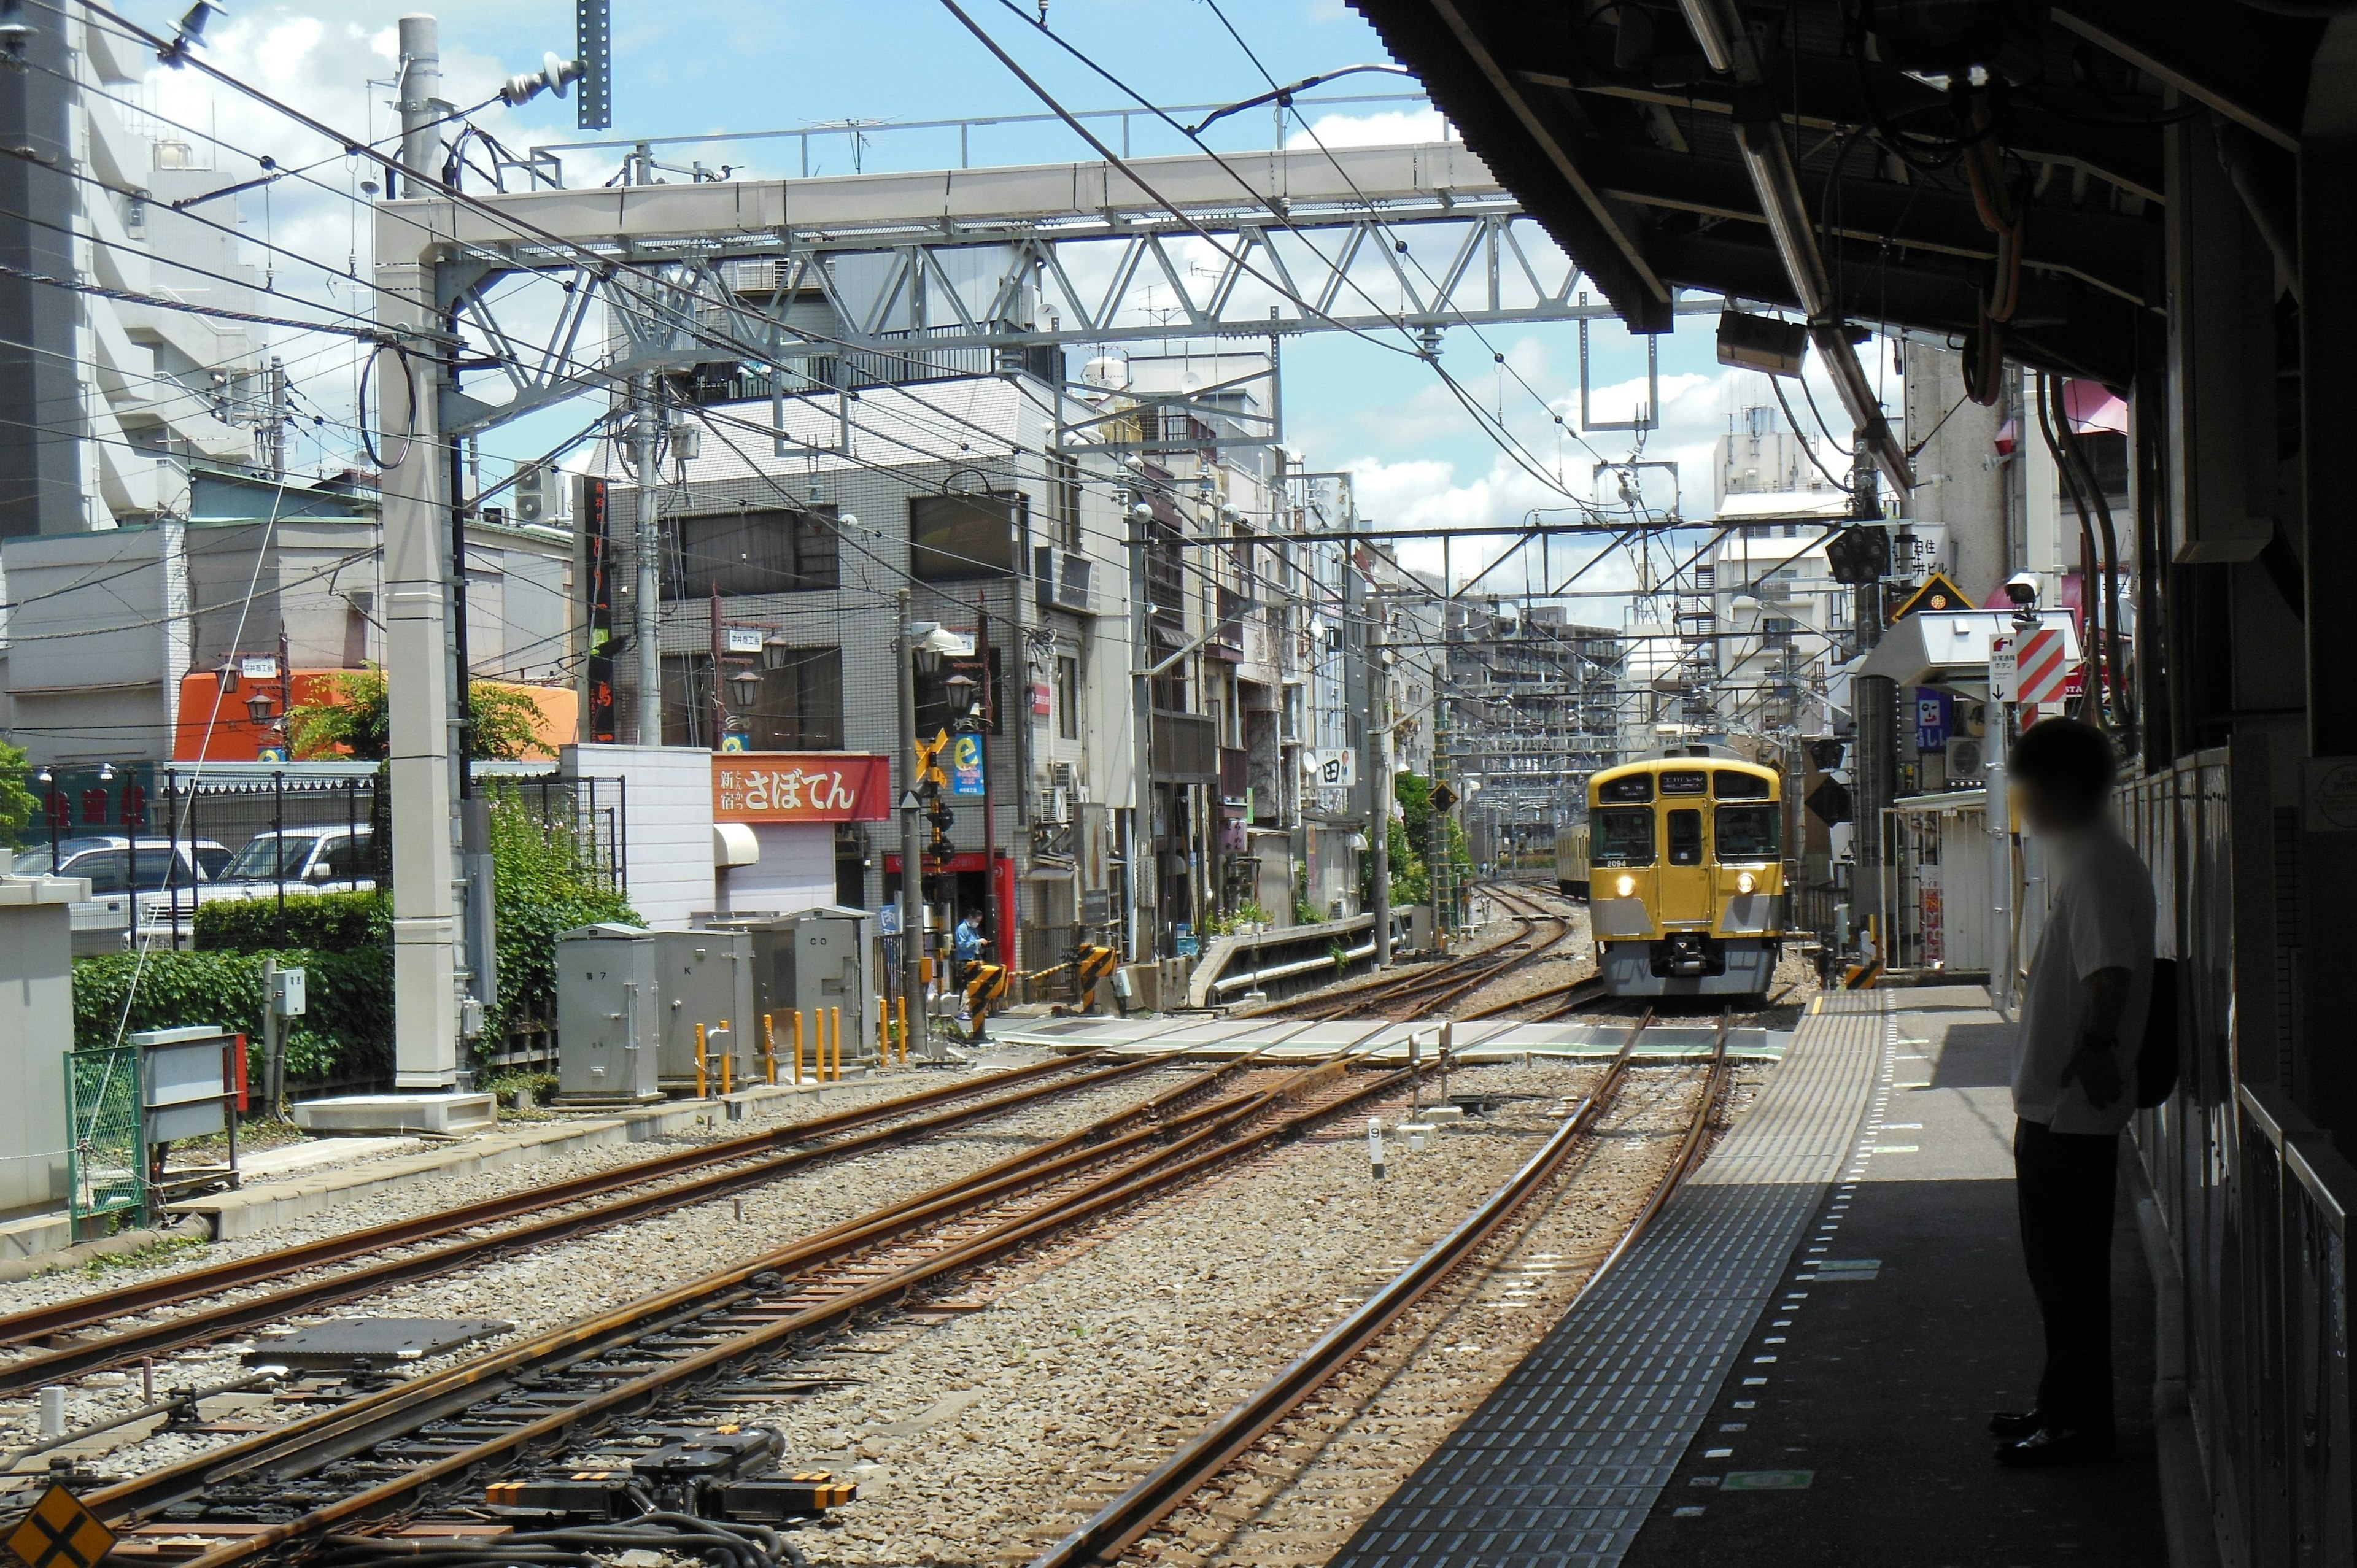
(324, 922)
(347, 1031)
(542, 886)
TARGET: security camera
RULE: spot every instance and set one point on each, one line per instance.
(2022, 589)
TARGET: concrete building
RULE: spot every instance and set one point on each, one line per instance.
(105, 624)
(107, 405)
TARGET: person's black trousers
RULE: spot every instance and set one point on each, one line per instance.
(2064, 1184)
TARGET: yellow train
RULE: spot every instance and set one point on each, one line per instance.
(1571, 862)
(1684, 875)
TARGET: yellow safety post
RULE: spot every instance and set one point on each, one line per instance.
(904, 1031)
(798, 1045)
(728, 1065)
(701, 1083)
(835, 1027)
(883, 1035)
(770, 1048)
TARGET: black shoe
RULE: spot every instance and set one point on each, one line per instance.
(2056, 1445)
(2013, 1426)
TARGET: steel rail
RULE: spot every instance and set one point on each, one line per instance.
(1504, 962)
(236, 1316)
(1154, 1496)
(366, 1418)
(1447, 981)
(304, 1444)
(1375, 986)
(1152, 1173)
(36, 1323)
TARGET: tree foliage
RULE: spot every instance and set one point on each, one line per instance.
(17, 801)
(544, 884)
(1411, 840)
(503, 723)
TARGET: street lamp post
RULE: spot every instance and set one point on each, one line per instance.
(48, 783)
(912, 905)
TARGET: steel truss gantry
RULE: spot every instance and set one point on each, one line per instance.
(832, 284)
(867, 279)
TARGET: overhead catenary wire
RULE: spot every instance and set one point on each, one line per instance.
(757, 354)
(1495, 430)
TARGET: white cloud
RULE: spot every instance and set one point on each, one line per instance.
(1381, 128)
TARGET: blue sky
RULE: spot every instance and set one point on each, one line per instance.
(692, 68)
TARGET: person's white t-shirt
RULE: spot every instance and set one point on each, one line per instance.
(2101, 918)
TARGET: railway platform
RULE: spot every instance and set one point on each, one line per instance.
(1796, 1364)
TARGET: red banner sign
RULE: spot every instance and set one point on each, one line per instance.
(800, 787)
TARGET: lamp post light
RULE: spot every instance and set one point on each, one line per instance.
(744, 686)
(964, 708)
(48, 782)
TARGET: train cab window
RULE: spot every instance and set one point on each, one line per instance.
(1636, 787)
(1686, 782)
(1686, 838)
(1623, 835)
(1746, 833)
(1730, 785)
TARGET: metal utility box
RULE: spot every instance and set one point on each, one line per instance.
(706, 977)
(608, 1015)
(814, 961)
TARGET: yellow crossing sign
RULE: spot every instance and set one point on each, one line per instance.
(60, 1534)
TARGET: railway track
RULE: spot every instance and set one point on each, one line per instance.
(1128, 1517)
(1431, 987)
(79, 1341)
(701, 1352)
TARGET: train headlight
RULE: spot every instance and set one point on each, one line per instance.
(1744, 882)
(1626, 887)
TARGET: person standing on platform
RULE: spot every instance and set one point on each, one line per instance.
(2075, 1062)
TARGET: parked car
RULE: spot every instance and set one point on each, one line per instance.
(302, 860)
(124, 879)
(315, 860)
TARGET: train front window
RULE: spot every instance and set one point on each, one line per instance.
(1622, 835)
(1686, 838)
(1730, 785)
(1746, 833)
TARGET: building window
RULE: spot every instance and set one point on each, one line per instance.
(956, 539)
(1068, 697)
(1064, 498)
(779, 549)
(800, 707)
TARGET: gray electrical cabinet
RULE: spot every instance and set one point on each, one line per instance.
(608, 1015)
(706, 978)
(814, 961)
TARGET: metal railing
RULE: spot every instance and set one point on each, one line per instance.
(2256, 1202)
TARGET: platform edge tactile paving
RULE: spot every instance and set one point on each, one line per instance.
(1563, 1463)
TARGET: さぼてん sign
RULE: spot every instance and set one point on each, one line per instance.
(800, 787)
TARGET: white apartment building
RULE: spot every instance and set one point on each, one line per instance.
(105, 403)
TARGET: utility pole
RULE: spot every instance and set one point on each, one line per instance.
(912, 849)
(989, 726)
(1143, 861)
(719, 702)
(278, 418)
(646, 613)
(1378, 779)
(422, 766)
(1436, 868)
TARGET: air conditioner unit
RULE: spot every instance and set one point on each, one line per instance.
(1059, 775)
(1964, 761)
(1061, 578)
(530, 498)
